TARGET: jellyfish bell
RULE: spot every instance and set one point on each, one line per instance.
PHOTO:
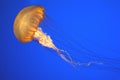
(27, 21)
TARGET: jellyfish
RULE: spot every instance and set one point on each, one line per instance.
(26, 29)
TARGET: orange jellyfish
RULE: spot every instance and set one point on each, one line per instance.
(26, 29)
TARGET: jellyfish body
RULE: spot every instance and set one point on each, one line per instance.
(27, 21)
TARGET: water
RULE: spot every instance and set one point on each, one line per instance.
(92, 24)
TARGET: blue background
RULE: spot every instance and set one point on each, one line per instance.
(93, 23)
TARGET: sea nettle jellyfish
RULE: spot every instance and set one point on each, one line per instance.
(26, 29)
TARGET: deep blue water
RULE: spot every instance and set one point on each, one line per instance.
(94, 24)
